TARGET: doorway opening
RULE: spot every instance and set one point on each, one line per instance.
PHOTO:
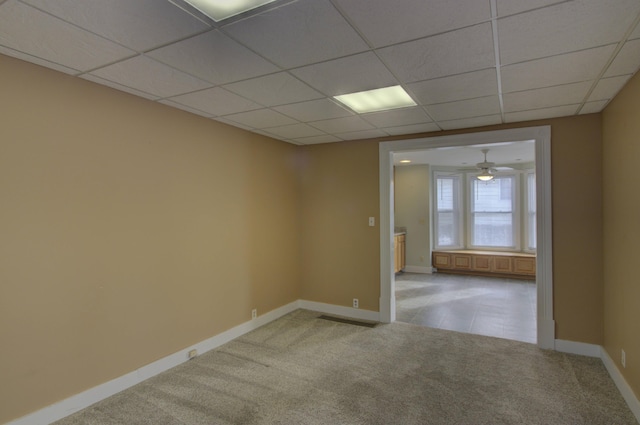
(543, 282)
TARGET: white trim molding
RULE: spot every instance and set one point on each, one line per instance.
(418, 269)
(93, 395)
(85, 399)
(593, 350)
(622, 384)
(544, 267)
(338, 310)
(580, 348)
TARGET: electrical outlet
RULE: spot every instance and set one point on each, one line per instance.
(193, 353)
(355, 303)
(372, 221)
(623, 359)
(254, 313)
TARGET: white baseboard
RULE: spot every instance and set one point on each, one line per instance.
(93, 395)
(593, 350)
(85, 399)
(418, 269)
(338, 310)
(580, 348)
(626, 391)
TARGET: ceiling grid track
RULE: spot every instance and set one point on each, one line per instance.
(496, 50)
(619, 46)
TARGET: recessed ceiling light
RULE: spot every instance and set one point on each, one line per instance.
(377, 100)
(219, 10)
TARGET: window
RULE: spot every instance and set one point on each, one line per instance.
(531, 211)
(495, 215)
(492, 213)
(448, 218)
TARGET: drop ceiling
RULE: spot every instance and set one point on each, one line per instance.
(275, 70)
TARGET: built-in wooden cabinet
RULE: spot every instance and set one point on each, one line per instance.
(510, 264)
(399, 247)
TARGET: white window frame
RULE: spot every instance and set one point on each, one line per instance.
(516, 216)
(458, 209)
(525, 216)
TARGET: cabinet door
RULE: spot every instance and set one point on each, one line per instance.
(442, 260)
(462, 261)
(502, 265)
(524, 265)
(482, 263)
(396, 267)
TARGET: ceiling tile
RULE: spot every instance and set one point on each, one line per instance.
(39, 34)
(627, 61)
(607, 88)
(238, 125)
(385, 22)
(314, 110)
(567, 94)
(570, 26)
(275, 89)
(117, 86)
(398, 117)
(593, 107)
(147, 75)
(294, 131)
(471, 122)
(317, 139)
(185, 108)
(457, 87)
(216, 101)
(556, 70)
(342, 125)
(412, 129)
(347, 75)
(139, 24)
(482, 106)
(38, 61)
(511, 7)
(214, 57)
(261, 118)
(301, 33)
(435, 56)
(365, 134)
(538, 114)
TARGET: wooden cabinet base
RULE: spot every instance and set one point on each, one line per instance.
(485, 263)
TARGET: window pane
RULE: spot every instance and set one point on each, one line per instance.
(447, 229)
(531, 206)
(447, 232)
(492, 213)
(493, 229)
(445, 194)
(494, 196)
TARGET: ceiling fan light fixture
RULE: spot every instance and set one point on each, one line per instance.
(485, 176)
(376, 100)
(219, 10)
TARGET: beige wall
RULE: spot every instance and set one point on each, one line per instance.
(411, 210)
(340, 252)
(621, 133)
(129, 230)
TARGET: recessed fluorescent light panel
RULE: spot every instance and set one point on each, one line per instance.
(377, 100)
(219, 10)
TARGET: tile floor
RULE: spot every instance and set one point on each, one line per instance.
(504, 308)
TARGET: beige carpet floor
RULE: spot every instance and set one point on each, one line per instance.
(301, 369)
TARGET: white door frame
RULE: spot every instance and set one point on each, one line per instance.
(544, 270)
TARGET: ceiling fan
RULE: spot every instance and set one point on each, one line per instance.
(486, 168)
